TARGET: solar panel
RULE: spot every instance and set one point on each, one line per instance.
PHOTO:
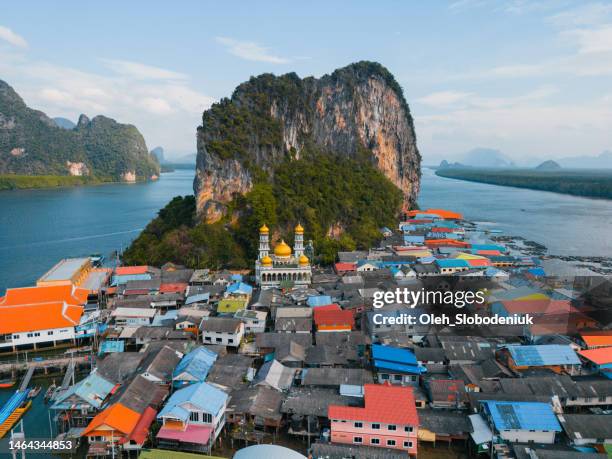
(509, 417)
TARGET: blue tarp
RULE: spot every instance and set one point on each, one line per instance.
(543, 355)
(522, 415)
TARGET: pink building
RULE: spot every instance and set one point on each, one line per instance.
(388, 420)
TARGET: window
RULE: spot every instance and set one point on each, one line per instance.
(407, 444)
(391, 427)
(384, 376)
(357, 440)
(208, 338)
(218, 340)
(37, 334)
(207, 417)
(194, 416)
(358, 425)
(230, 341)
(15, 336)
(397, 377)
(408, 429)
(375, 441)
(50, 332)
(390, 442)
(375, 426)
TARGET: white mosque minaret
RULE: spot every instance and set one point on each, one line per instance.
(272, 269)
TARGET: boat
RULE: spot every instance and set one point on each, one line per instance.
(50, 391)
(13, 410)
(34, 392)
(6, 384)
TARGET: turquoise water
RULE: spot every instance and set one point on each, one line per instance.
(39, 227)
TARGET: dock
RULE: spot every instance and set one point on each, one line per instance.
(61, 364)
(12, 411)
(25, 382)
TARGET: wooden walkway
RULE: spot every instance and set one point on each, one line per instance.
(36, 365)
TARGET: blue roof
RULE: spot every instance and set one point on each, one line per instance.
(452, 263)
(93, 390)
(202, 395)
(536, 272)
(236, 277)
(197, 363)
(199, 298)
(319, 300)
(239, 288)
(414, 239)
(393, 354)
(125, 278)
(398, 367)
(522, 415)
(545, 354)
(501, 248)
(112, 346)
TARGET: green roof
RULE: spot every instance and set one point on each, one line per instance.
(231, 305)
(165, 454)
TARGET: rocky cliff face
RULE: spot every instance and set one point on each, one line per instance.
(358, 111)
(33, 144)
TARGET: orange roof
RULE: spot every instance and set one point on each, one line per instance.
(177, 287)
(599, 356)
(38, 316)
(446, 242)
(446, 214)
(117, 417)
(383, 403)
(141, 430)
(543, 306)
(597, 339)
(125, 270)
(45, 294)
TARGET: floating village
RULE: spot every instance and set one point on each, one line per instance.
(294, 360)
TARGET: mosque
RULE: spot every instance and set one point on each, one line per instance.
(282, 264)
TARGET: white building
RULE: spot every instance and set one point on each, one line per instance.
(222, 330)
(254, 321)
(282, 265)
(133, 316)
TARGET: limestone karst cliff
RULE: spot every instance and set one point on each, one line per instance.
(358, 111)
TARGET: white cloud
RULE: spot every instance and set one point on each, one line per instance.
(165, 108)
(250, 51)
(443, 98)
(12, 38)
(583, 15)
(593, 40)
(141, 71)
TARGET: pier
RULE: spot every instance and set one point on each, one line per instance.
(45, 366)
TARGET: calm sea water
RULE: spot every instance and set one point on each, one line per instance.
(567, 225)
(39, 227)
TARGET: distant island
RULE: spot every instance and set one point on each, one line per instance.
(546, 177)
(37, 151)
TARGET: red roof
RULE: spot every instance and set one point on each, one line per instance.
(126, 270)
(345, 267)
(599, 356)
(173, 288)
(597, 338)
(442, 230)
(141, 431)
(327, 307)
(543, 306)
(193, 433)
(333, 317)
(488, 252)
(383, 403)
(479, 262)
(446, 242)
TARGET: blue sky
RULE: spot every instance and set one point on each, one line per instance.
(531, 78)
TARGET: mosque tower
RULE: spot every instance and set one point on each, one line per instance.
(298, 246)
(264, 241)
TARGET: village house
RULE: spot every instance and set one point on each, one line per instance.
(192, 418)
(388, 419)
(522, 422)
(447, 393)
(332, 318)
(599, 360)
(395, 365)
(587, 429)
(41, 317)
(133, 317)
(254, 321)
(555, 357)
(193, 367)
(222, 330)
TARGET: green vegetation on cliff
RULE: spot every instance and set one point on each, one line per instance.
(34, 145)
(588, 183)
(18, 182)
(319, 190)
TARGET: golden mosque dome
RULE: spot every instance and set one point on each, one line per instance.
(264, 229)
(304, 260)
(266, 261)
(299, 229)
(282, 249)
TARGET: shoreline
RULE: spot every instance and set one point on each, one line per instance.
(513, 179)
(10, 182)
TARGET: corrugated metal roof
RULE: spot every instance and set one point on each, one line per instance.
(393, 354)
(548, 354)
(202, 395)
(522, 415)
(319, 300)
